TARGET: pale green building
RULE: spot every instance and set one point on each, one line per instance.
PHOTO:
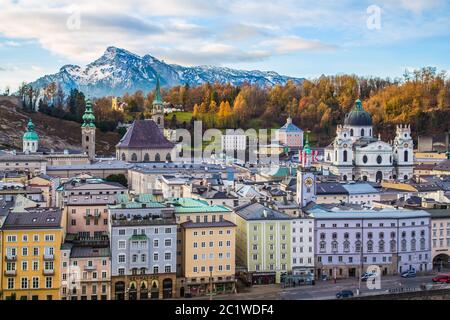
(263, 242)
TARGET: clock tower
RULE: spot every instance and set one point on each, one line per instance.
(306, 179)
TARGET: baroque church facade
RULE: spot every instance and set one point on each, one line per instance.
(356, 155)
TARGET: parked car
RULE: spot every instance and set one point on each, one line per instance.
(344, 294)
(441, 278)
(367, 275)
(409, 274)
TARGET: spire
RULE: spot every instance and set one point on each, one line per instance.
(306, 147)
(30, 125)
(88, 116)
(358, 105)
(157, 99)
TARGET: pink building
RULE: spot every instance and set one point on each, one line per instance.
(85, 204)
(290, 135)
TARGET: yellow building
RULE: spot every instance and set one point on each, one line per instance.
(207, 247)
(31, 254)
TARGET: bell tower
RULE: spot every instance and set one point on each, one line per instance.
(88, 131)
(158, 107)
(306, 179)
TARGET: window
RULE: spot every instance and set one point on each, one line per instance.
(35, 283)
(24, 283)
(370, 246)
(167, 269)
(48, 282)
(365, 159)
(121, 258)
(168, 242)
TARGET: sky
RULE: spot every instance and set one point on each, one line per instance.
(300, 38)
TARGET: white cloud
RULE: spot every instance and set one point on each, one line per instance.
(285, 45)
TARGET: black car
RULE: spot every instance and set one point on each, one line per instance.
(344, 294)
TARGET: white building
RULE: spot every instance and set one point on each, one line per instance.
(356, 155)
(234, 141)
(302, 246)
(361, 193)
(348, 241)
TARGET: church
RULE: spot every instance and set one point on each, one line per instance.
(356, 155)
(144, 140)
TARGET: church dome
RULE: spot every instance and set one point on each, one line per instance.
(30, 134)
(358, 116)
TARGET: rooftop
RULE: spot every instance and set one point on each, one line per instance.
(144, 134)
(189, 205)
(257, 211)
(217, 224)
(324, 212)
(89, 252)
(34, 218)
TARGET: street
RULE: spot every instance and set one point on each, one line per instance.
(324, 290)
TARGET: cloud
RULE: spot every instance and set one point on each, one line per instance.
(285, 45)
(210, 32)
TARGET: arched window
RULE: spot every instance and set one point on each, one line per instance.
(322, 246)
(346, 246)
(404, 245)
(146, 158)
(168, 157)
(134, 157)
(334, 246)
(393, 246)
(158, 121)
(370, 246)
(362, 132)
(405, 177)
(406, 156)
(351, 133)
(364, 178)
(124, 158)
(413, 245)
(370, 132)
(345, 155)
(381, 246)
(345, 177)
(365, 159)
(157, 157)
(358, 246)
(422, 243)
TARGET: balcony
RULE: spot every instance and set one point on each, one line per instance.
(10, 273)
(89, 268)
(10, 258)
(48, 272)
(49, 257)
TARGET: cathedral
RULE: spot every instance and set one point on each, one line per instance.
(356, 155)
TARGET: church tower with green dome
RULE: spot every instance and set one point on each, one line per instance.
(158, 107)
(306, 178)
(30, 139)
(88, 131)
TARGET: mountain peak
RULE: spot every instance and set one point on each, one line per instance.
(119, 71)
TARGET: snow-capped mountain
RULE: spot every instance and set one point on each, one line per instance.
(119, 71)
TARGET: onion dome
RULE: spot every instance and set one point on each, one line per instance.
(358, 117)
(30, 134)
(88, 116)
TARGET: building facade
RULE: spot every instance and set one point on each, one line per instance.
(143, 252)
(347, 242)
(356, 155)
(31, 248)
(263, 242)
(206, 247)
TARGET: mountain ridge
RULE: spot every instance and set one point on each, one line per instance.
(119, 71)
